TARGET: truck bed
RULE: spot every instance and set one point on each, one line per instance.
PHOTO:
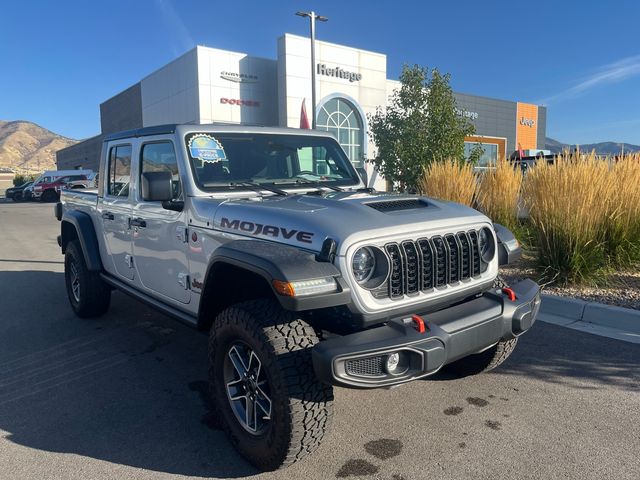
(85, 200)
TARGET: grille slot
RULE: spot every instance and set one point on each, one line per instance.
(454, 259)
(426, 252)
(412, 268)
(396, 277)
(473, 236)
(432, 263)
(442, 278)
(365, 367)
(467, 255)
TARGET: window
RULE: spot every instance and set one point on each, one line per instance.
(340, 117)
(119, 171)
(161, 157)
(489, 153)
(222, 160)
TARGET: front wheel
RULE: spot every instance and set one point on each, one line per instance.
(88, 294)
(263, 384)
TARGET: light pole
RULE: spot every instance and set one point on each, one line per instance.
(313, 17)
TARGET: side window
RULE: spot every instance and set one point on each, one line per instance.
(159, 157)
(119, 171)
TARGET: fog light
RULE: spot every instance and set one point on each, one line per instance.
(393, 361)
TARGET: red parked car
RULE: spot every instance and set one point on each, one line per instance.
(50, 191)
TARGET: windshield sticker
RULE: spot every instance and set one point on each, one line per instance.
(206, 148)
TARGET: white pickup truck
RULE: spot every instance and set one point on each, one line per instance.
(268, 240)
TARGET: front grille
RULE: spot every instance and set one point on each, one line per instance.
(435, 262)
(365, 367)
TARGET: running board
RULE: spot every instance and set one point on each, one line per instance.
(152, 302)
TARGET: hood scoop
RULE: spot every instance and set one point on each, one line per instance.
(386, 206)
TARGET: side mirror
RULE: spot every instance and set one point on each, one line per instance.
(156, 186)
(363, 175)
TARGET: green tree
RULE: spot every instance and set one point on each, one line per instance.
(421, 125)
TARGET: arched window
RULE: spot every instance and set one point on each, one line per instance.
(340, 117)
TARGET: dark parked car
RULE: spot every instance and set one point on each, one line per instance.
(16, 193)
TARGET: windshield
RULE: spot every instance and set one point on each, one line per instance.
(222, 160)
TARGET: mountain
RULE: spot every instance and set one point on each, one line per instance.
(29, 148)
(602, 148)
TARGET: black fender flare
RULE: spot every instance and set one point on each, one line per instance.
(86, 234)
(275, 261)
(509, 249)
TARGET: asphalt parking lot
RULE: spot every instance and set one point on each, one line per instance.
(123, 397)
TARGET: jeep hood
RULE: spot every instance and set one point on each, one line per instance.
(306, 221)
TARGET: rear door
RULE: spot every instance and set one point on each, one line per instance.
(160, 234)
(116, 210)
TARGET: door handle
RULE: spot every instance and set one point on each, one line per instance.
(137, 222)
(107, 215)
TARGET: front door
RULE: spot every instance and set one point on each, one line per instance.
(115, 211)
(159, 234)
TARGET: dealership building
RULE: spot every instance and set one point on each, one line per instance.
(207, 85)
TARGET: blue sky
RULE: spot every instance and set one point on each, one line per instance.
(59, 60)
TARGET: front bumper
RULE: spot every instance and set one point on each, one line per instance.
(358, 360)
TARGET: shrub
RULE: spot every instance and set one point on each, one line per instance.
(570, 207)
(450, 180)
(499, 194)
(19, 179)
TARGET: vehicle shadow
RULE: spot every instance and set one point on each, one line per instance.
(128, 388)
(588, 362)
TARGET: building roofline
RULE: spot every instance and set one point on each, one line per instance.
(335, 44)
(80, 142)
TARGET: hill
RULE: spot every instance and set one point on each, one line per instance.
(602, 148)
(29, 148)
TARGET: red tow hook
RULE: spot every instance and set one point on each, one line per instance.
(420, 323)
(509, 293)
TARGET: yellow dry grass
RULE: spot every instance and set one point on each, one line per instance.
(585, 212)
(499, 193)
(450, 180)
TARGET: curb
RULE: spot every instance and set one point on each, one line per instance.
(566, 311)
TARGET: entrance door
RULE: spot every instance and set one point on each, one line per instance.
(159, 234)
(116, 210)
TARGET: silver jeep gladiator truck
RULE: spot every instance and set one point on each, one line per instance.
(304, 279)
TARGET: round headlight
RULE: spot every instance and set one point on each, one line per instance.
(487, 245)
(363, 264)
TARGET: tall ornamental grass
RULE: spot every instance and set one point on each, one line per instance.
(499, 193)
(572, 210)
(450, 180)
(623, 230)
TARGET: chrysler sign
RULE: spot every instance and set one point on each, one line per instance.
(338, 73)
(239, 77)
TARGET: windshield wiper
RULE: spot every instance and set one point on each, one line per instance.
(317, 184)
(258, 187)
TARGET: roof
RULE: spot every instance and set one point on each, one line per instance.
(208, 127)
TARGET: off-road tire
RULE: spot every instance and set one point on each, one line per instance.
(301, 405)
(49, 196)
(94, 293)
(490, 358)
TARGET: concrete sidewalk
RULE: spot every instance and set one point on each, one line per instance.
(590, 317)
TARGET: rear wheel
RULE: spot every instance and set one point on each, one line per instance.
(261, 378)
(88, 294)
(488, 359)
(49, 196)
